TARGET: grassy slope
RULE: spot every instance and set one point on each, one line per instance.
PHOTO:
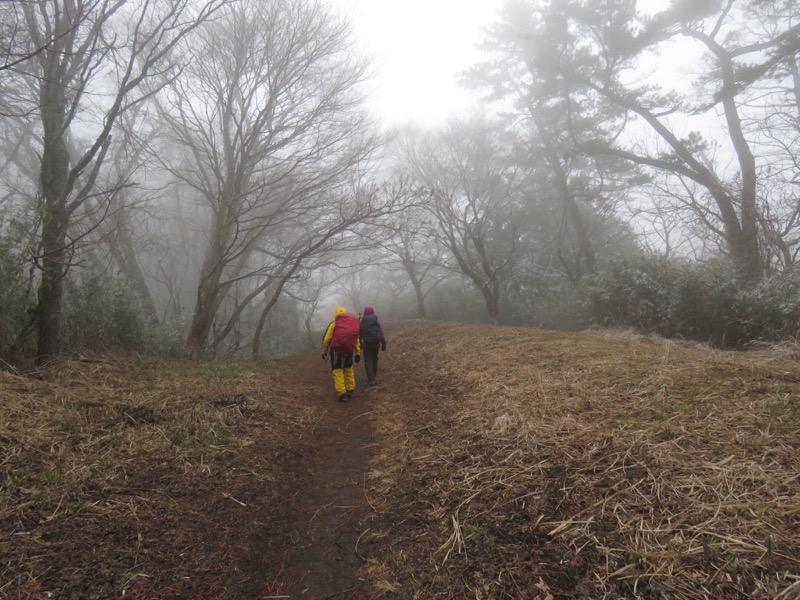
(512, 463)
(520, 464)
(125, 476)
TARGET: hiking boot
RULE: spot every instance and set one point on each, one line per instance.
(344, 397)
(371, 382)
(349, 394)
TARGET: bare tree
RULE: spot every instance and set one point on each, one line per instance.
(86, 46)
(16, 45)
(776, 130)
(351, 287)
(307, 289)
(117, 224)
(475, 190)
(411, 243)
(270, 132)
(664, 226)
(322, 239)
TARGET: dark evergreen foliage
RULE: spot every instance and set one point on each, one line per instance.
(694, 301)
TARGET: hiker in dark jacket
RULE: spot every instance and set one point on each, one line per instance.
(344, 379)
(372, 340)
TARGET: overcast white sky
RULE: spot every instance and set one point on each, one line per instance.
(419, 46)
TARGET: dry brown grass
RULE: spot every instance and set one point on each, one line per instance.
(113, 468)
(511, 463)
(541, 464)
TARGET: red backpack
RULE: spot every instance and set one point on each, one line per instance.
(345, 333)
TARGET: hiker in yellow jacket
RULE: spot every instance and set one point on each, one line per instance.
(342, 343)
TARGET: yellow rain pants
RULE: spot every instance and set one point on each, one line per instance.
(344, 380)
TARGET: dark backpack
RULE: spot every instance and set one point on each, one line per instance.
(345, 333)
(370, 329)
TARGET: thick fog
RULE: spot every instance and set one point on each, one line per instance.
(214, 178)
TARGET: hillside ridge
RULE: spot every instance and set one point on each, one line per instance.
(490, 461)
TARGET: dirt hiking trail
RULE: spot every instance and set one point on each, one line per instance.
(315, 543)
(330, 509)
(306, 543)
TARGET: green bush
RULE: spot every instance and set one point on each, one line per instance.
(548, 302)
(167, 340)
(100, 314)
(697, 301)
(14, 297)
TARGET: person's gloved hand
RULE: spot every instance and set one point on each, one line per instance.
(358, 358)
(324, 356)
(383, 345)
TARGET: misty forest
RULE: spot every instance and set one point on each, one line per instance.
(587, 286)
(203, 178)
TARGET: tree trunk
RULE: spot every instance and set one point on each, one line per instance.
(55, 221)
(312, 344)
(265, 313)
(262, 321)
(491, 295)
(126, 258)
(421, 314)
(744, 247)
(584, 259)
(204, 312)
(490, 290)
(121, 245)
(208, 299)
(417, 285)
(51, 289)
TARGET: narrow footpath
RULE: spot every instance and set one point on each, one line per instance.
(318, 540)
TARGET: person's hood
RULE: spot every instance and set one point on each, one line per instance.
(339, 311)
(368, 310)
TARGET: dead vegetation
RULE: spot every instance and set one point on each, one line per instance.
(120, 475)
(547, 465)
(509, 463)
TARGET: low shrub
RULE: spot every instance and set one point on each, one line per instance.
(15, 300)
(697, 301)
(100, 314)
